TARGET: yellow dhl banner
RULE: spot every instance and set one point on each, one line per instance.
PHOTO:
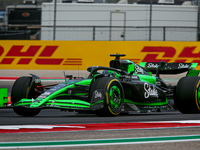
(79, 55)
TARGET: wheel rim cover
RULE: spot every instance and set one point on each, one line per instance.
(115, 97)
(198, 95)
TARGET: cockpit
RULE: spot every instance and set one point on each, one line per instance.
(127, 65)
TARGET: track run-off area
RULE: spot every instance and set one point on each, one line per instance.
(53, 129)
(23, 133)
(99, 142)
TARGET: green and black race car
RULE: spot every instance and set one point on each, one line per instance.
(108, 91)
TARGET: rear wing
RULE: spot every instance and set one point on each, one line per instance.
(171, 68)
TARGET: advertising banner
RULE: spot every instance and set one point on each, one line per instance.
(79, 55)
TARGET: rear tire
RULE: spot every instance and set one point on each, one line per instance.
(113, 96)
(21, 89)
(187, 95)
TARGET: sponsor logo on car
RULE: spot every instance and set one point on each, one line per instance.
(46, 93)
(183, 65)
(97, 94)
(152, 65)
(138, 70)
(150, 90)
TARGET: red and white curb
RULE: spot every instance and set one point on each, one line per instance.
(18, 127)
(98, 126)
(42, 78)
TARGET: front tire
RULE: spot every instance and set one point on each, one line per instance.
(113, 96)
(21, 89)
(187, 95)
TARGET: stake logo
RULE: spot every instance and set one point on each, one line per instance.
(150, 90)
(33, 54)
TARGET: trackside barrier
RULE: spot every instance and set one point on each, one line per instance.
(79, 55)
(3, 96)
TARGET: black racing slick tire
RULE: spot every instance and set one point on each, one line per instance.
(187, 95)
(20, 90)
(113, 96)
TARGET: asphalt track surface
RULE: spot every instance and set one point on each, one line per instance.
(56, 117)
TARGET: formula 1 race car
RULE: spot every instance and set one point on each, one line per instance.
(108, 91)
